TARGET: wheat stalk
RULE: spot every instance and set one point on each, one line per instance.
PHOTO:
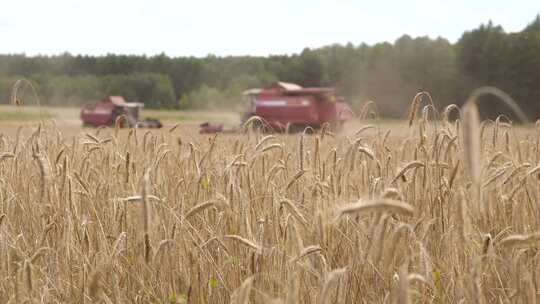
(381, 205)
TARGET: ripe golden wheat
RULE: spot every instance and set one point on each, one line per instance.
(131, 216)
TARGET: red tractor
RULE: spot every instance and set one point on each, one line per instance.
(106, 111)
(283, 105)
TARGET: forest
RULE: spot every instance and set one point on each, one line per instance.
(388, 73)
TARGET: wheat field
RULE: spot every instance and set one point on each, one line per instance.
(435, 211)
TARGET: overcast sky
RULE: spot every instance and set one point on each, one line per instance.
(238, 27)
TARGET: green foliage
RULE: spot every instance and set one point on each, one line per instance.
(184, 102)
(155, 90)
(205, 97)
(439, 290)
(489, 56)
(176, 299)
(213, 283)
(311, 68)
(388, 73)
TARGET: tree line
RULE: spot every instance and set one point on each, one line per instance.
(388, 73)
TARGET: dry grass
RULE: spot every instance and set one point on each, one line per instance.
(365, 216)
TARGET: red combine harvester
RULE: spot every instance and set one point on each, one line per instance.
(106, 111)
(286, 104)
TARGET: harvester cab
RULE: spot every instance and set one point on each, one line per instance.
(249, 98)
